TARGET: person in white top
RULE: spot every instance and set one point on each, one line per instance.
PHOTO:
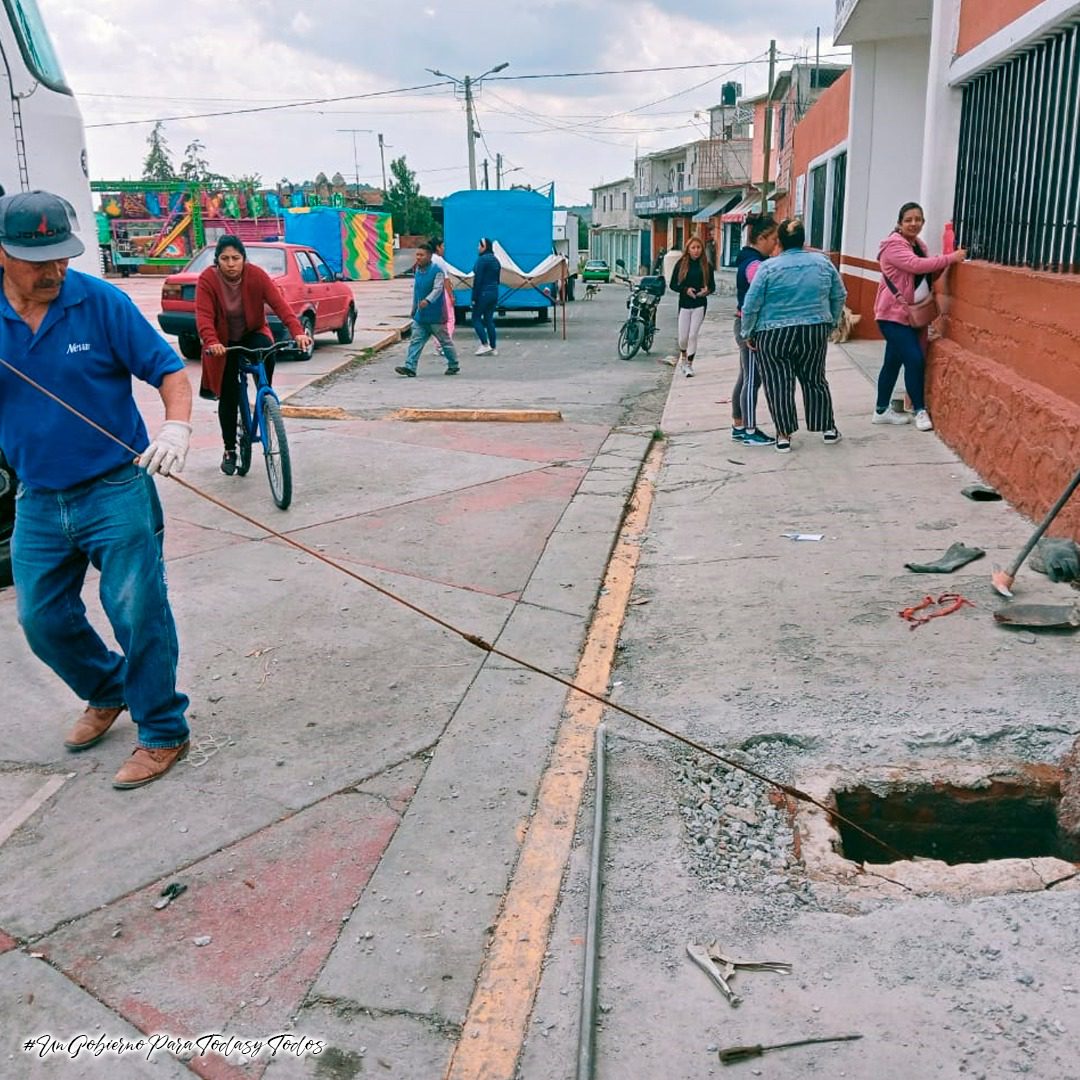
(439, 260)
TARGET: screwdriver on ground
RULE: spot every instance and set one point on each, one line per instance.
(744, 1053)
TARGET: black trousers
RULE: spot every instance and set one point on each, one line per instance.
(796, 353)
(229, 402)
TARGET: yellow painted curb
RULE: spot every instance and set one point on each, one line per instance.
(495, 1024)
(512, 416)
(315, 412)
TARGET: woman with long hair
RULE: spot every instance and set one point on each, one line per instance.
(692, 279)
(790, 309)
(760, 244)
(907, 274)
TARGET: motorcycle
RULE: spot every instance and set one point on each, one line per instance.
(639, 330)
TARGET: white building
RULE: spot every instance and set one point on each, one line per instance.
(616, 231)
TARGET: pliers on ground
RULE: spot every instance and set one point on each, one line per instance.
(721, 969)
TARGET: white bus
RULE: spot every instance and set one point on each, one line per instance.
(42, 142)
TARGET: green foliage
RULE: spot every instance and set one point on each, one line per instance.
(158, 164)
(411, 211)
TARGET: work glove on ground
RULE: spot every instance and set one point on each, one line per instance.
(168, 452)
(1058, 559)
(957, 555)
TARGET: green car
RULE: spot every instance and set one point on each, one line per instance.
(596, 270)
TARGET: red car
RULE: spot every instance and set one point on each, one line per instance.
(319, 298)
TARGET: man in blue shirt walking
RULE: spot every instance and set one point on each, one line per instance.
(429, 314)
(83, 499)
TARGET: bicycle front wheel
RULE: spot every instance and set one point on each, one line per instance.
(629, 339)
(276, 450)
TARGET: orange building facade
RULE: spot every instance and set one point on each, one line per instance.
(972, 108)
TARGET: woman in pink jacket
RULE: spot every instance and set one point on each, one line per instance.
(911, 270)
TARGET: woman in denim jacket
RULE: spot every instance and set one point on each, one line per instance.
(792, 305)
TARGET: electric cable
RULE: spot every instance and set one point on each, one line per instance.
(267, 108)
(473, 639)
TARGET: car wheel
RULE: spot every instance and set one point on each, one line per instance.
(347, 331)
(307, 321)
(190, 346)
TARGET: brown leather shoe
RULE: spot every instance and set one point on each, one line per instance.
(91, 727)
(146, 765)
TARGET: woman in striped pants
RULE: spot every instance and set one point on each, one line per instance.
(792, 305)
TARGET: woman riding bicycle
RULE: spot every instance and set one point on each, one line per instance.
(231, 298)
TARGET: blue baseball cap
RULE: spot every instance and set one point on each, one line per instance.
(37, 226)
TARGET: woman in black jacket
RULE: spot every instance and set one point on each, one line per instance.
(485, 297)
(692, 279)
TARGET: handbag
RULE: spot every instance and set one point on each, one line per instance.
(920, 312)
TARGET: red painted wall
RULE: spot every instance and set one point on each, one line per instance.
(824, 125)
(1004, 385)
(979, 19)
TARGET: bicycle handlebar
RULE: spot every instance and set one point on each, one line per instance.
(265, 350)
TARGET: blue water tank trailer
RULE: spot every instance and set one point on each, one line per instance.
(521, 221)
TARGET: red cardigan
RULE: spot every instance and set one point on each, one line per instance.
(258, 291)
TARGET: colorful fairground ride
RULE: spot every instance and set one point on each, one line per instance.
(155, 227)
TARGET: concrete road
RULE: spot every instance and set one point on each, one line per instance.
(349, 816)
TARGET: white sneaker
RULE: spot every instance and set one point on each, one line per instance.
(890, 416)
(493, 352)
(923, 421)
(483, 350)
(688, 370)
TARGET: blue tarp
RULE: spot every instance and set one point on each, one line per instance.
(318, 227)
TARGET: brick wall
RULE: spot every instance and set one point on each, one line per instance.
(1004, 385)
(979, 19)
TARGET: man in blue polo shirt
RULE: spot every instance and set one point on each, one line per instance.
(83, 498)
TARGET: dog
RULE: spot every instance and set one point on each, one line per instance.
(591, 290)
(847, 323)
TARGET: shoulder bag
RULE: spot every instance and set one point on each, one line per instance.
(920, 312)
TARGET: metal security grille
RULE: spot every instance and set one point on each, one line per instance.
(1018, 179)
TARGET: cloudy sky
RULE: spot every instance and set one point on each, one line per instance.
(137, 60)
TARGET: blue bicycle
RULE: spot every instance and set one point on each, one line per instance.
(262, 422)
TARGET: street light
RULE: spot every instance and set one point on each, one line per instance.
(468, 83)
(355, 157)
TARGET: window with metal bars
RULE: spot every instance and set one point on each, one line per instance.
(1018, 177)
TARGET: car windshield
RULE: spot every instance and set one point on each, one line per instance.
(597, 264)
(272, 260)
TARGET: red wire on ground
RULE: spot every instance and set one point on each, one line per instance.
(947, 603)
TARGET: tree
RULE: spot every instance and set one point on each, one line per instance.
(411, 211)
(195, 168)
(158, 164)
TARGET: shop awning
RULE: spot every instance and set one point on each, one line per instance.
(717, 206)
(737, 214)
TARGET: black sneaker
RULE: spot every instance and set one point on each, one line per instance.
(783, 446)
(757, 438)
(737, 433)
(408, 372)
(452, 370)
(831, 435)
(228, 463)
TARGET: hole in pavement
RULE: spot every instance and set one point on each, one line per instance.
(1003, 819)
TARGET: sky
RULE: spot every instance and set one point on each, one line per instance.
(140, 60)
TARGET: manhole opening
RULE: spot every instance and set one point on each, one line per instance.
(1003, 820)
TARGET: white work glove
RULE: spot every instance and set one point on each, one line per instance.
(168, 452)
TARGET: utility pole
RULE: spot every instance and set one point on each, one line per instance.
(817, 61)
(768, 128)
(355, 156)
(382, 158)
(467, 85)
(487, 185)
(498, 172)
(471, 132)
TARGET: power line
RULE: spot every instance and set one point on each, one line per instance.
(628, 71)
(264, 108)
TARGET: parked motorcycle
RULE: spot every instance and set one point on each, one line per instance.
(639, 330)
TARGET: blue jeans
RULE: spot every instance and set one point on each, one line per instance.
(115, 524)
(419, 338)
(484, 321)
(903, 348)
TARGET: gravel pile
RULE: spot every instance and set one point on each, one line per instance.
(738, 840)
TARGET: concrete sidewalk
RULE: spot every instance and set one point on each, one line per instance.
(792, 657)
